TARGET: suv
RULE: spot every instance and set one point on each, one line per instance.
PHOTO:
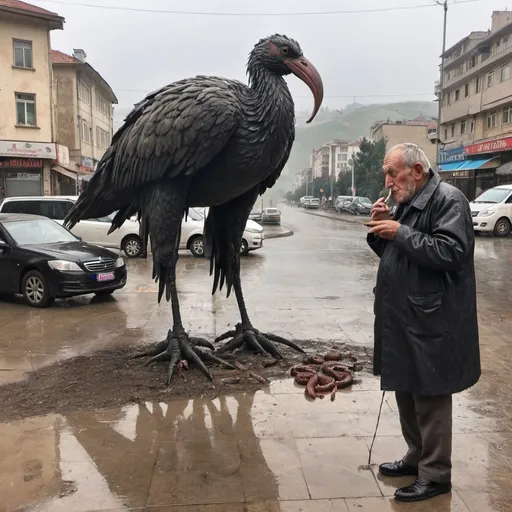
(492, 211)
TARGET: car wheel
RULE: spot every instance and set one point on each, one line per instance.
(197, 247)
(502, 227)
(35, 290)
(132, 246)
(244, 248)
(103, 293)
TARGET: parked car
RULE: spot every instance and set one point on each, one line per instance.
(313, 203)
(255, 215)
(192, 234)
(340, 200)
(360, 206)
(492, 211)
(303, 200)
(42, 260)
(271, 216)
(94, 231)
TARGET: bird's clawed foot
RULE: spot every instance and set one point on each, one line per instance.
(180, 350)
(254, 340)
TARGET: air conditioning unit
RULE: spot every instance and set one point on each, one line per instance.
(432, 136)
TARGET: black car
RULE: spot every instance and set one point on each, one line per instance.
(42, 260)
(360, 206)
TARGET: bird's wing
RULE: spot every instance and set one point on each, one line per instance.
(173, 131)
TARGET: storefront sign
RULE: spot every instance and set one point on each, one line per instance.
(452, 155)
(489, 146)
(460, 174)
(26, 176)
(28, 149)
(25, 163)
(62, 155)
(88, 162)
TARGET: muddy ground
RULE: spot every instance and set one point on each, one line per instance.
(110, 378)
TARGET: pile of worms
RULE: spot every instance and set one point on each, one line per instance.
(324, 375)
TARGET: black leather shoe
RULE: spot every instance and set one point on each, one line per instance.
(422, 490)
(398, 468)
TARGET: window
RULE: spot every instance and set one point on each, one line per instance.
(445, 133)
(466, 90)
(490, 79)
(463, 127)
(102, 138)
(472, 62)
(492, 119)
(26, 109)
(457, 95)
(453, 130)
(505, 72)
(478, 85)
(507, 114)
(472, 125)
(22, 54)
(84, 92)
(102, 104)
(85, 132)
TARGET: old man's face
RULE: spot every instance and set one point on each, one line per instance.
(400, 179)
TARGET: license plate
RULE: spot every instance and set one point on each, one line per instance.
(107, 276)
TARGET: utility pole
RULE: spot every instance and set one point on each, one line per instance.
(352, 169)
(441, 78)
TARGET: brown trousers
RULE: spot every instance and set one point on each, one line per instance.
(427, 429)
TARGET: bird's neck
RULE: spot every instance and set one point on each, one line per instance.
(271, 89)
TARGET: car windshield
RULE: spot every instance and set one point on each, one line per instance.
(365, 201)
(493, 195)
(35, 232)
(272, 210)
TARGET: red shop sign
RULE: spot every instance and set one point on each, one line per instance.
(489, 147)
(22, 163)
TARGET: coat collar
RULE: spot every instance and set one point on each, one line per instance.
(422, 198)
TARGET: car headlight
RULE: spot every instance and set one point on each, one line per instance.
(252, 230)
(487, 213)
(64, 266)
(119, 262)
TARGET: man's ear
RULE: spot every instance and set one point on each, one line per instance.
(418, 171)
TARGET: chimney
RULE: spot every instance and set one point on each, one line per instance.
(79, 54)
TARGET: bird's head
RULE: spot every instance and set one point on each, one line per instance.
(281, 55)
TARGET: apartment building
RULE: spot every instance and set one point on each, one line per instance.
(476, 110)
(27, 125)
(84, 103)
(333, 157)
(418, 131)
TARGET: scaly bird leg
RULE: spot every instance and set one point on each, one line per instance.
(164, 224)
(246, 334)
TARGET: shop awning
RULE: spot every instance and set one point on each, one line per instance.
(505, 169)
(65, 172)
(450, 166)
(465, 165)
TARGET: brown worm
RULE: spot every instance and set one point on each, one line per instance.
(332, 355)
(325, 383)
(310, 387)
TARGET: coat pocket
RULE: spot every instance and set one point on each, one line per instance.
(426, 317)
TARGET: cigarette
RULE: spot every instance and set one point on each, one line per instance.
(388, 198)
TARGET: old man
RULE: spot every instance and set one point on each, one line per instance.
(426, 330)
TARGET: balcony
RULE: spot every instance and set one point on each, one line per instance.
(437, 88)
(501, 52)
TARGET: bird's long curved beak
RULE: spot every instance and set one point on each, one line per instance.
(304, 70)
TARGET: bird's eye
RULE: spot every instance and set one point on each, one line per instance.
(285, 50)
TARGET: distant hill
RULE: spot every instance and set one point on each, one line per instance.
(350, 123)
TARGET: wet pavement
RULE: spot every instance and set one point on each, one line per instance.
(267, 451)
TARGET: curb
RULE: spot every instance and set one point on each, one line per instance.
(284, 234)
(342, 219)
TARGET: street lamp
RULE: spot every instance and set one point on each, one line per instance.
(351, 163)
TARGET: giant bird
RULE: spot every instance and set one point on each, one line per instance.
(203, 142)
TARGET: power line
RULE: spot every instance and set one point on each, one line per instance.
(251, 14)
(144, 91)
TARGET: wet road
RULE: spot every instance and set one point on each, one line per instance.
(269, 451)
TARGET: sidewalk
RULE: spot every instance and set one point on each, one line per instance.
(345, 217)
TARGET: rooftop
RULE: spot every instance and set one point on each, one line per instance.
(19, 7)
(59, 57)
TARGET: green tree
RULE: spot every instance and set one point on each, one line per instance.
(369, 178)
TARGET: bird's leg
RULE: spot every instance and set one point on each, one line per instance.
(246, 335)
(164, 223)
(223, 233)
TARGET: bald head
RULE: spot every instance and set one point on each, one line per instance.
(406, 168)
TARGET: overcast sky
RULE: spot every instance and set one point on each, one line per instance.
(393, 53)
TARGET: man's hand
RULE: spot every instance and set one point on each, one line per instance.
(380, 210)
(384, 228)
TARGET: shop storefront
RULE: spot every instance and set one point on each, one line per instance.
(22, 167)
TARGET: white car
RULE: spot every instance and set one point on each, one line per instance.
(127, 237)
(492, 211)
